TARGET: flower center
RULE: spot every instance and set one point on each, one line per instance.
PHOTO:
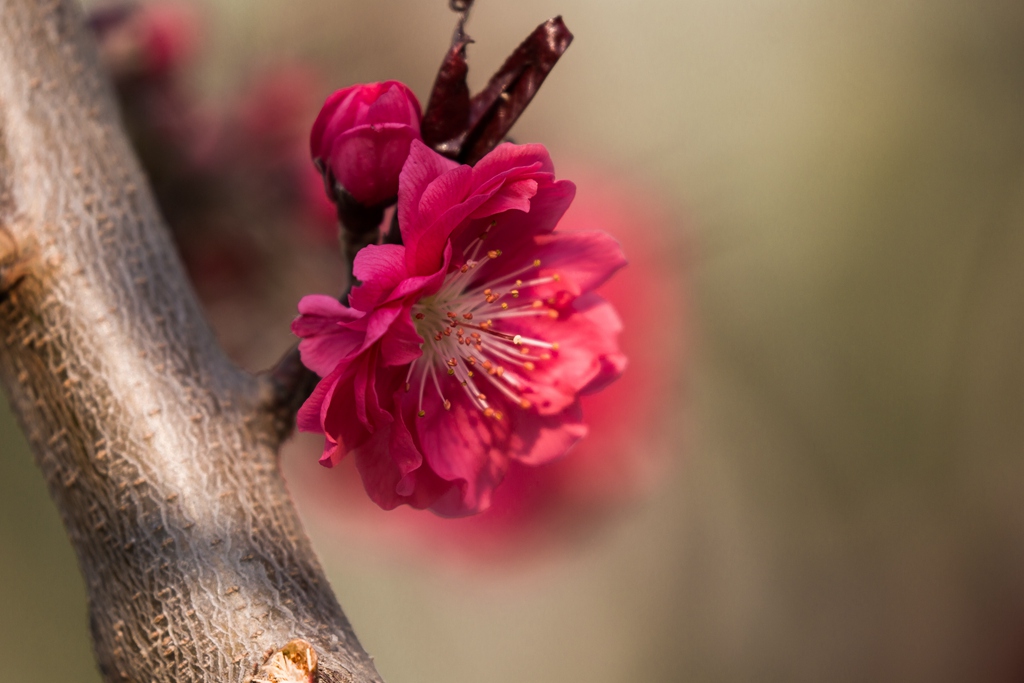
(464, 345)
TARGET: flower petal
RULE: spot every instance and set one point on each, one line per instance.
(421, 168)
(379, 269)
(538, 439)
(329, 332)
(459, 445)
(367, 160)
(508, 156)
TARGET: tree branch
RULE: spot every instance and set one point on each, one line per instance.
(155, 447)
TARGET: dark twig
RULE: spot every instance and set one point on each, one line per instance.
(495, 110)
(466, 129)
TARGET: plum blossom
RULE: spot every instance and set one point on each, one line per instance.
(468, 346)
(361, 138)
(549, 510)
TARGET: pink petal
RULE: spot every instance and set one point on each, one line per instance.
(367, 160)
(325, 118)
(379, 268)
(588, 354)
(515, 230)
(515, 195)
(393, 471)
(538, 439)
(421, 168)
(328, 337)
(396, 103)
(309, 419)
(459, 446)
(582, 260)
(508, 156)
(327, 308)
(401, 344)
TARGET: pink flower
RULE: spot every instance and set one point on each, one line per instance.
(150, 41)
(362, 136)
(633, 425)
(469, 346)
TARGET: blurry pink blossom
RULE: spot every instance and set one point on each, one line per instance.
(361, 138)
(148, 41)
(469, 346)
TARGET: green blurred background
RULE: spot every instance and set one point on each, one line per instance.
(847, 504)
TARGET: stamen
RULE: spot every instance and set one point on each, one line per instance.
(494, 354)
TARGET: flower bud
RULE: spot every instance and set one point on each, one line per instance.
(362, 138)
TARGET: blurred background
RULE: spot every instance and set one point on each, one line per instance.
(820, 479)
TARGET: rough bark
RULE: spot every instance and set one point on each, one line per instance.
(159, 453)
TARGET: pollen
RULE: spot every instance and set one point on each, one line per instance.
(447, 404)
(422, 413)
(467, 316)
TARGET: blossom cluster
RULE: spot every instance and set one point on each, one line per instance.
(467, 346)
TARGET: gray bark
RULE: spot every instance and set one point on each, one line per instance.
(159, 453)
